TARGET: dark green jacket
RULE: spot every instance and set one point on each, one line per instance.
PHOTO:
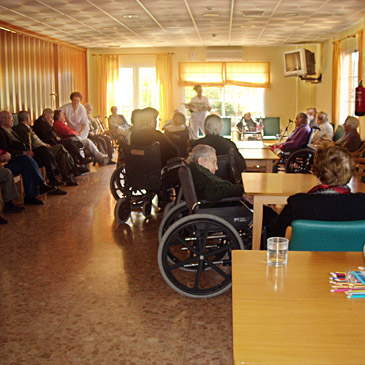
(211, 187)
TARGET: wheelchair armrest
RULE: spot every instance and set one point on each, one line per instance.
(219, 203)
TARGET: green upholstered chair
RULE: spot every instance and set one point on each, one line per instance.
(310, 235)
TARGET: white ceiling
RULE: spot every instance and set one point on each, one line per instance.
(171, 23)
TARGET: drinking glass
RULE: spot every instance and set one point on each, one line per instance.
(277, 251)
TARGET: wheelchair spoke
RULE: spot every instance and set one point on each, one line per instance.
(198, 275)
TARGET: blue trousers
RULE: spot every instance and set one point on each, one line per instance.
(29, 170)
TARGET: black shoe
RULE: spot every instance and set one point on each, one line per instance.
(33, 201)
(12, 208)
(44, 188)
(57, 191)
(111, 162)
(69, 182)
(3, 220)
(55, 182)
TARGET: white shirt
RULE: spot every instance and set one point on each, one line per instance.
(199, 103)
(325, 133)
(76, 118)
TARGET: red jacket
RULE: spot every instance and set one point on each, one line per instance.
(62, 129)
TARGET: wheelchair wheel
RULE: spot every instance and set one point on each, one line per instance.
(147, 207)
(175, 213)
(122, 210)
(300, 161)
(199, 242)
(168, 206)
(117, 183)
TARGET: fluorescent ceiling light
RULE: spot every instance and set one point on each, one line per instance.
(130, 16)
(210, 15)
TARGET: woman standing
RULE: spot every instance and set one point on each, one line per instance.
(198, 106)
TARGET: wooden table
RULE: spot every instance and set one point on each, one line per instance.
(250, 144)
(259, 159)
(270, 188)
(289, 316)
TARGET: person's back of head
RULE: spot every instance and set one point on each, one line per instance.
(333, 165)
(322, 117)
(213, 125)
(178, 118)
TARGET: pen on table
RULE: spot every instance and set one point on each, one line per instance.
(356, 296)
(347, 289)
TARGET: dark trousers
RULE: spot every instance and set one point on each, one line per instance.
(44, 157)
(105, 142)
(28, 168)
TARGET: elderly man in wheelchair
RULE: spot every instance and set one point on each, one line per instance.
(296, 154)
(195, 248)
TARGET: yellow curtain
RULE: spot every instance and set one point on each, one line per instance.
(203, 73)
(164, 85)
(249, 74)
(107, 68)
(336, 70)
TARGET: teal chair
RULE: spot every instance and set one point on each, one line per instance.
(309, 235)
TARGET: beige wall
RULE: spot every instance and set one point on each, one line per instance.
(286, 96)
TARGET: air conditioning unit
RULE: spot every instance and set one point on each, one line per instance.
(224, 54)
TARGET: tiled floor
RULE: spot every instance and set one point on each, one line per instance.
(74, 290)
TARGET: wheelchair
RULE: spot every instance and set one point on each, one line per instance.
(137, 181)
(194, 254)
(299, 161)
(226, 171)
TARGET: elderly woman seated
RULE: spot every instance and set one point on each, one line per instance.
(213, 126)
(298, 138)
(202, 161)
(351, 140)
(117, 123)
(331, 199)
(325, 134)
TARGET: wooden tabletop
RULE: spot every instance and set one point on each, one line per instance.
(277, 183)
(250, 144)
(258, 154)
(289, 316)
(286, 184)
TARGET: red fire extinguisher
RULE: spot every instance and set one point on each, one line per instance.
(360, 100)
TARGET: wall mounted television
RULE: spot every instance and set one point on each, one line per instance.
(299, 63)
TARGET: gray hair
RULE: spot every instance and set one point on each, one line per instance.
(201, 150)
(323, 117)
(22, 116)
(47, 111)
(352, 122)
(213, 124)
(303, 117)
(89, 105)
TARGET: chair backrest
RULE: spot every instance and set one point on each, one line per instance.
(143, 166)
(314, 129)
(187, 186)
(180, 140)
(226, 167)
(338, 133)
(310, 235)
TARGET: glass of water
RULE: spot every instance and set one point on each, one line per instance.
(277, 251)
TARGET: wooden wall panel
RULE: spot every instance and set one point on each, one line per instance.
(36, 73)
(72, 73)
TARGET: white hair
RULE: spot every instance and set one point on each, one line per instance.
(352, 122)
(201, 150)
(213, 124)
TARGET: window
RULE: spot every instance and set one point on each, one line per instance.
(233, 101)
(136, 89)
(348, 82)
